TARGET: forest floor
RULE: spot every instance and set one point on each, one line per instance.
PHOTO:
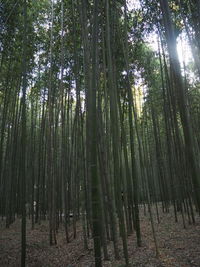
(178, 247)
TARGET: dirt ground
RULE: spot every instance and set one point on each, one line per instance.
(178, 247)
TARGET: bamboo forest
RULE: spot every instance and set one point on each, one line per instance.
(99, 133)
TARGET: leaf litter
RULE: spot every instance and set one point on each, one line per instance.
(178, 247)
